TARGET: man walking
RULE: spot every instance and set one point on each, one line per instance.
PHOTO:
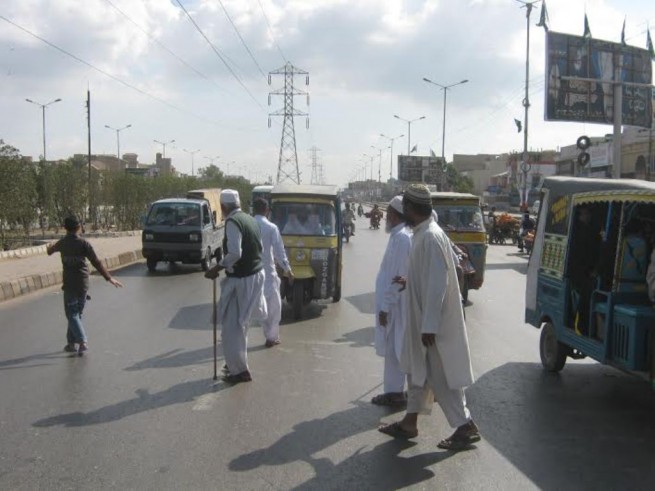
(272, 253)
(435, 352)
(74, 252)
(242, 290)
(391, 305)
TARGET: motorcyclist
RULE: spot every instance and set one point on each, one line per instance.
(527, 224)
(349, 219)
(376, 215)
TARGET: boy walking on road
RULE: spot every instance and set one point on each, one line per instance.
(74, 252)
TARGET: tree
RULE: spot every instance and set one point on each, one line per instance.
(17, 192)
(455, 181)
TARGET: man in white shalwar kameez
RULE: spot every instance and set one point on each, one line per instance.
(391, 305)
(435, 351)
(242, 289)
(272, 253)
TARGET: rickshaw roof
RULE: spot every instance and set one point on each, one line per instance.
(562, 185)
(170, 201)
(263, 187)
(305, 190)
(453, 195)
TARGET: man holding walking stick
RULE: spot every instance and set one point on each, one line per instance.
(242, 289)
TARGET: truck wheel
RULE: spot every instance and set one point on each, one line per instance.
(553, 353)
(152, 264)
(298, 294)
(205, 263)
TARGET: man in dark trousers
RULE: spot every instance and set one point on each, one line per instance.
(74, 252)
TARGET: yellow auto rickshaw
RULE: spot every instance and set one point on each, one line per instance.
(460, 216)
(587, 277)
(309, 219)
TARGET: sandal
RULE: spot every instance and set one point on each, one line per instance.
(393, 399)
(395, 430)
(463, 438)
(238, 378)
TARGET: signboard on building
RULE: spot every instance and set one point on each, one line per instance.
(590, 101)
(416, 168)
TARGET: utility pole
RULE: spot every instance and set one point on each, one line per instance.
(287, 167)
(317, 168)
(391, 153)
(92, 215)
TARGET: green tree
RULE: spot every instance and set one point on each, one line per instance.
(455, 181)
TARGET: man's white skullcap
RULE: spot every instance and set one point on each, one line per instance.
(397, 204)
(230, 197)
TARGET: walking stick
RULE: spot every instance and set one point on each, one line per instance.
(214, 321)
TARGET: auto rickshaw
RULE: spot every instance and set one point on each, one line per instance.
(460, 216)
(586, 281)
(309, 219)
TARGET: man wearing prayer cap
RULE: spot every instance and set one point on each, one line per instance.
(391, 305)
(242, 289)
(435, 353)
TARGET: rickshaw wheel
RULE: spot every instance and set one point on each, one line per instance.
(337, 294)
(298, 293)
(553, 353)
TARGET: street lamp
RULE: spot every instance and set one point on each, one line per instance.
(445, 91)
(43, 106)
(391, 153)
(163, 144)
(192, 152)
(118, 138)
(211, 159)
(379, 149)
(409, 128)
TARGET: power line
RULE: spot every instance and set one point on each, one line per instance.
(242, 40)
(109, 75)
(270, 31)
(218, 53)
(165, 48)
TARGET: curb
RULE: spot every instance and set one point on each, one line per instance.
(30, 284)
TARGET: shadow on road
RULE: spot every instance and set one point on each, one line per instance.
(312, 310)
(589, 425)
(144, 401)
(180, 358)
(193, 317)
(364, 302)
(360, 338)
(21, 362)
(369, 469)
(518, 267)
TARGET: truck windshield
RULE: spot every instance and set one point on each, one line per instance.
(174, 214)
(304, 219)
(464, 218)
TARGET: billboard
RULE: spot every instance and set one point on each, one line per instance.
(590, 101)
(416, 168)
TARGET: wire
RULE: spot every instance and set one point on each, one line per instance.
(242, 40)
(109, 75)
(220, 56)
(165, 48)
(270, 31)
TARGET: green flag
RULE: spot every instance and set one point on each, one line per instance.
(543, 18)
(649, 45)
(587, 31)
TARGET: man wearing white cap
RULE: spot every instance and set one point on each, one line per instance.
(435, 352)
(242, 289)
(391, 305)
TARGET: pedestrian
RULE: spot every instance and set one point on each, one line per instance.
(527, 224)
(242, 289)
(272, 253)
(74, 251)
(391, 305)
(435, 352)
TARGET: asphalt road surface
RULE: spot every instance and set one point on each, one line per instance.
(140, 410)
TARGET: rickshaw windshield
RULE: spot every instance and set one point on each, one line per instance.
(304, 218)
(463, 218)
(173, 214)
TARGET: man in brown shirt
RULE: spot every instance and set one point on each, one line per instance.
(74, 252)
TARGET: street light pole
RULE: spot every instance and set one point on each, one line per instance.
(43, 106)
(445, 91)
(163, 144)
(409, 128)
(391, 153)
(118, 138)
(192, 152)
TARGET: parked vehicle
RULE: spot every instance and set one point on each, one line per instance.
(586, 281)
(188, 230)
(309, 219)
(460, 216)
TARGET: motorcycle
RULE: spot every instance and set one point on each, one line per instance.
(375, 220)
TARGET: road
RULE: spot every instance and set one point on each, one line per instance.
(140, 410)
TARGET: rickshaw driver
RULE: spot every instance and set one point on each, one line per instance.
(293, 226)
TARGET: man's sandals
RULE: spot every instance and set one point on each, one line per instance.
(395, 430)
(391, 399)
(463, 438)
(237, 378)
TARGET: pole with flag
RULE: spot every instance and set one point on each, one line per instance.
(587, 31)
(649, 45)
(543, 17)
(623, 34)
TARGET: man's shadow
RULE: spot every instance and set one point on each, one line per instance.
(311, 437)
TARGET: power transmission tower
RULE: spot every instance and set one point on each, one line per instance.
(317, 169)
(287, 167)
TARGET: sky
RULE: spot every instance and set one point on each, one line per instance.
(147, 65)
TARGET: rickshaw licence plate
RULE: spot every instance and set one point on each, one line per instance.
(320, 254)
